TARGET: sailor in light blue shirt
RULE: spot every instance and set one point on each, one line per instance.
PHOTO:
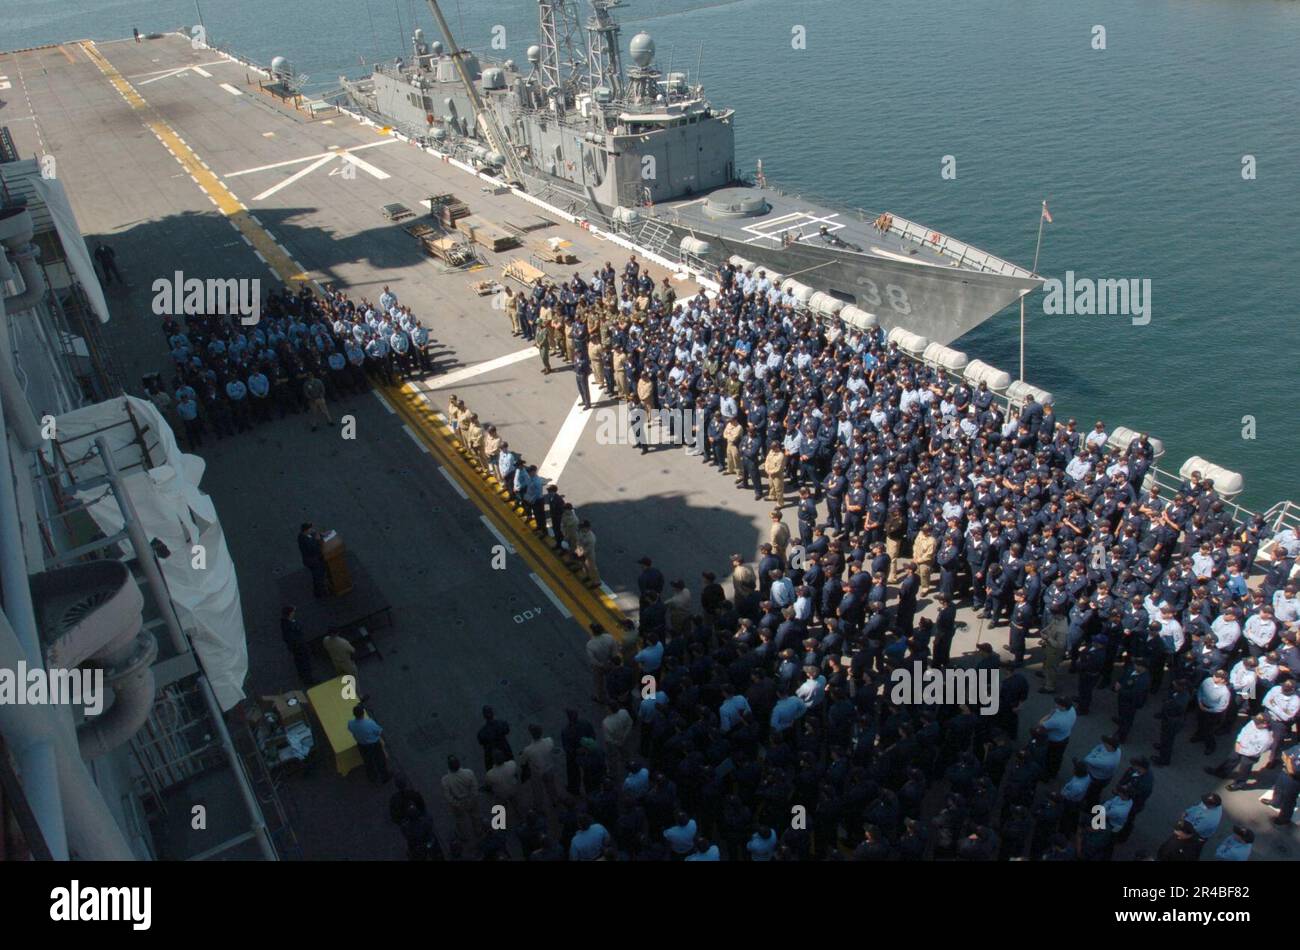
(731, 710)
(710, 854)
(681, 836)
(366, 731)
(1059, 723)
(760, 848)
(258, 384)
(651, 657)
(1103, 761)
(1118, 808)
(787, 712)
(1205, 816)
(637, 783)
(1237, 846)
(1214, 694)
(1076, 788)
(589, 843)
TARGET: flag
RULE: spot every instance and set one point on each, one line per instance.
(1047, 215)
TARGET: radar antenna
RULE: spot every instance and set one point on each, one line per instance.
(484, 116)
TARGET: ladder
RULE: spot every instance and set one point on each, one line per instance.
(654, 236)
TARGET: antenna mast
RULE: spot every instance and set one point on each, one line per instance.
(558, 24)
(604, 66)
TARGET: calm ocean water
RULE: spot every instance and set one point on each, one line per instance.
(1137, 148)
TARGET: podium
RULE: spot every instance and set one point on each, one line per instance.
(336, 565)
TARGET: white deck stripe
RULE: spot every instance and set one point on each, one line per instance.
(231, 89)
(550, 595)
(478, 369)
(294, 177)
(382, 401)
(416, 439)
(166, 75)
(451, 481)
(487, 523)
(306, 158)
(567, 440)
(364, 166)
(202, 72)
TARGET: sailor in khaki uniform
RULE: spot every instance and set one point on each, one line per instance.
(778, 535)
(774, 466)
(731, 435)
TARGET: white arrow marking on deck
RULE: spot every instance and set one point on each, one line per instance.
(166, 75)
(478, 369)
(364, 166)
(550, 595)
(294, 177)
(307, 158)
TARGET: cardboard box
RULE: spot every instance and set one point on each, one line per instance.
(290, 707)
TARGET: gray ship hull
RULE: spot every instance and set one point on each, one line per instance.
(940, 303)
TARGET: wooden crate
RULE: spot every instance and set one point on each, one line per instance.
(487, 234)
(525, 273)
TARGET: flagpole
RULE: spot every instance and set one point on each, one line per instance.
(1038, 246)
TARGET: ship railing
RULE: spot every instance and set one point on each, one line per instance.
(965, 255)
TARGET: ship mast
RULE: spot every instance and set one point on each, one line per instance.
(604, 67)
(486, 119)
(558, 24)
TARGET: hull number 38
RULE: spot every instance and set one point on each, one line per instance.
(895, 295)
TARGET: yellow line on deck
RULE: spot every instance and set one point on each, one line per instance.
(587, 606)
(280, 263)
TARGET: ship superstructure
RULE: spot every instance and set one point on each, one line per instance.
(607, 135)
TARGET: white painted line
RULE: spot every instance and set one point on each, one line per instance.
(478, 369)
(231, 89)
(567, 440)
(450, 481)
(166, 75)
(501, 539)
(258, 255)
(550, 595)
(294, 177)
(307, 158)
(202, 72)
(382, 401)
(416, 439)
(364, 166)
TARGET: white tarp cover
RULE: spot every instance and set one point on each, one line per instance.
(74, 245)
(173, 509)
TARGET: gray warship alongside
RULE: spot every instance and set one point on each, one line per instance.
(646, 155)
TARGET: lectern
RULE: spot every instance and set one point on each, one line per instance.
(336, 565)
